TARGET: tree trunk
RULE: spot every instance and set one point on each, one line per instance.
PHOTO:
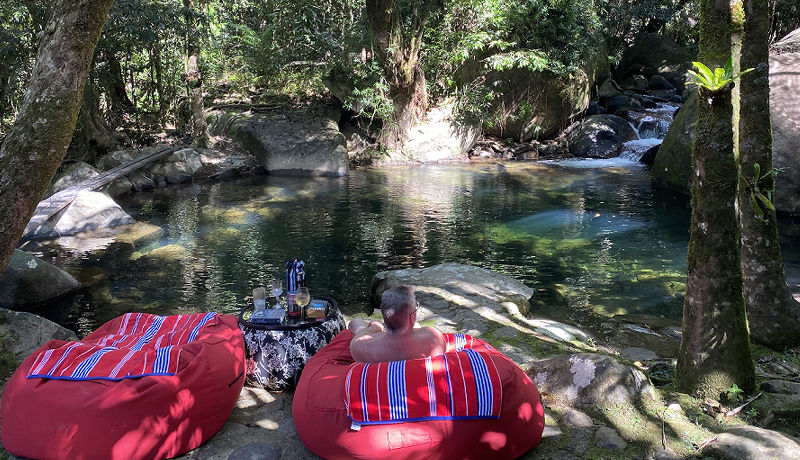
(114, 84)
(91, 137)
(194, 78)
(773, 314)
(36, 144)
(715, 348)
(398, 50)
(162, 100)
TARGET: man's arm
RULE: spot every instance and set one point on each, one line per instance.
(361, 327)
(364, 332)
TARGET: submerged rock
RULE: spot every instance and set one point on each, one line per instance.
(30, 281)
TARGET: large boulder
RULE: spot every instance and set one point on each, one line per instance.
(25, 332)
(672, 167)
(533, 104)
(655, 54)
(784, 81)
(138, 180)
(178, 167)
(89, 211)
(588, 379)
(301, 142)
(439, 138)
(600, 136)
(29, 281)
(74, 175)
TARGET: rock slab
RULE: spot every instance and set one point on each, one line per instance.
(453, 294)
(27, 332)
(89, 211)
(586, 379)
(752, 443)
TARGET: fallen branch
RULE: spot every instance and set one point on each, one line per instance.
(736, 410)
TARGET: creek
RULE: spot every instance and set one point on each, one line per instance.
(592, 237)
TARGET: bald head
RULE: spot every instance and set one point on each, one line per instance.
(397, 306)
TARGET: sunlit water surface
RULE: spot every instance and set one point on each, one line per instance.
(591, 237)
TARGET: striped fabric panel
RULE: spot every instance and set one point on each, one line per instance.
(457, 385)
(143, 345)
(458, 342)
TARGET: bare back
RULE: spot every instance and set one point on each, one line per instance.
(382, 346)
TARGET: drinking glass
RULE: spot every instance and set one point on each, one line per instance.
(302, 297)
(276, 289)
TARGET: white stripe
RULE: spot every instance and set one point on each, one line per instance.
(43, 358)
(119, 365)
(431, 388)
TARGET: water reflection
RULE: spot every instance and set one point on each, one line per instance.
(590, 241)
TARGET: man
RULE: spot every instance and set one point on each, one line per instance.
(399, 339)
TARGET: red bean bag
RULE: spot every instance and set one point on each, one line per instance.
(139, 387)
(326, 427)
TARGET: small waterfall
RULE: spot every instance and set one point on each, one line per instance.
(651, 125)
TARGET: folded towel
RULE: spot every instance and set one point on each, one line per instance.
(457, 385)
(144, 345)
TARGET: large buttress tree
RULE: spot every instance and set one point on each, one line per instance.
(773, 314)
(194, 74)
(397, 28)
(715, 347)
(36, 144)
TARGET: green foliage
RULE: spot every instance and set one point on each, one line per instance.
(17, 49)
(625, 20)
(718, 78)
(735, 393)
(760, 193)
(785, 18)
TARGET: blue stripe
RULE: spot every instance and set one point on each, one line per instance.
(83, 369)
(364, 392)
(162, 359)
(449, 386)
(149, 334)
(110, 379)
(60, 360)
(483, 383)
(398, 408)
(460, 341)
(424, 419)
(208, 317)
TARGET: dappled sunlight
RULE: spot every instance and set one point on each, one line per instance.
(495, 440)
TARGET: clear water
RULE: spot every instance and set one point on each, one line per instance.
(590, 236)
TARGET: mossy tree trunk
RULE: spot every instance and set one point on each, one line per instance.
(92, 137)
(114, 85)
(36, 144)
(398, 47)
(773, 315)
(194, 75)
(715, 348)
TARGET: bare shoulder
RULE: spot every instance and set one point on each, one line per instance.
(435, 338)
